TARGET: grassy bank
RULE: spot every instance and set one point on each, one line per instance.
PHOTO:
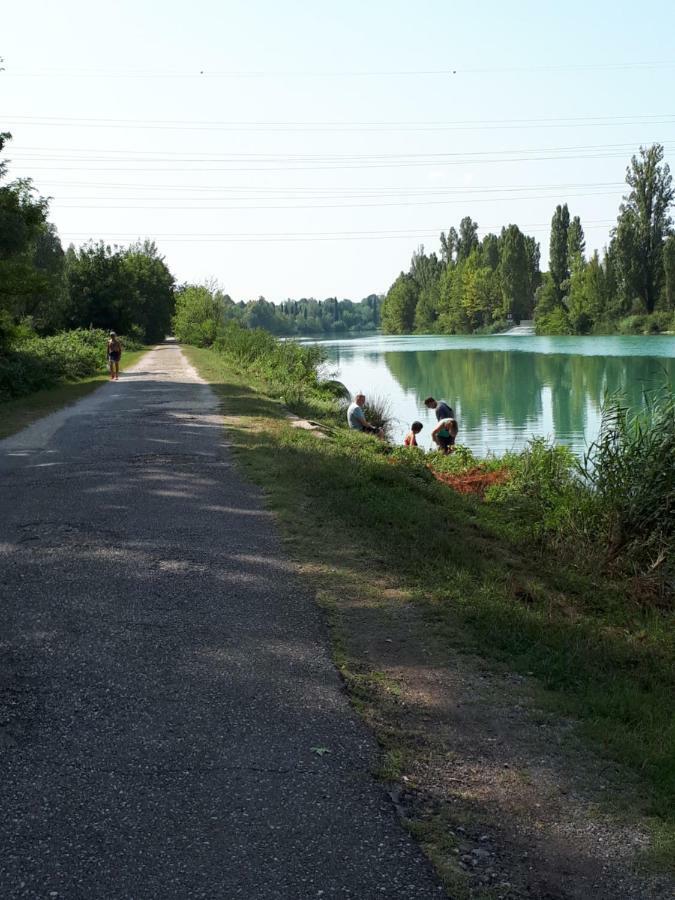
(22, 411)
(392, 551)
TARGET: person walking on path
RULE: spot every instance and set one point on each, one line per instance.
(114, 356)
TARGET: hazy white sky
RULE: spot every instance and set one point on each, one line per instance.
(306, 148)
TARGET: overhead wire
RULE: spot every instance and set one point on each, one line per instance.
(243, 125)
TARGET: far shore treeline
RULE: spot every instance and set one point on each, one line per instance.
(483, 286)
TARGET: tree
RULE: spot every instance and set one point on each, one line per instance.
(489, 251)
(449, 246)
(425, 269)
(154, 286)
(201, 313)
(558, 249)
(398, 310)
(468, 238)
(643, 224)
(533, 261)
(101, 293)
(514, 270)
(669, 272)
(576, 241)
(426, 311)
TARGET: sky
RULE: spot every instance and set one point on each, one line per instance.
(306, 149)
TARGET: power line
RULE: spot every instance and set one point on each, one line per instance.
(257, 206)
(323, 168)
(315, 238)
(449, 71)
(327, 157)
(462, 124)
(462, 189)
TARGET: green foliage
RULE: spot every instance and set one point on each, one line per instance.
(30, 363)
(554, 322)
(559, 249)
(643, 225)
(113, 288)
(398, 309)
(669, 273)
(542, 478)
(631, 468)
(643, 324)
(154, 286)
(201, 313)
(378, 413)
(289, 370)
(514, 270)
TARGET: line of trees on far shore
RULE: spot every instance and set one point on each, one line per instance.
(475, 285)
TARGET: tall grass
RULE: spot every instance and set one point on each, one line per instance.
(289, 370)
(631, 469)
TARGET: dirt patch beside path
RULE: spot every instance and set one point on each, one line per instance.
(505, 797)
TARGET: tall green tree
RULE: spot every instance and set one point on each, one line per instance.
(644, 223)
(514, 270)
(576, 241)
(154, 286)
(449, 244)
(468, 238)
(489, 251)
(533, 262)
(558, 250)
(398, 310)
(669, 272)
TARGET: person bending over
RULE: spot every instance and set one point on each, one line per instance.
(442, 408)
(444, 435)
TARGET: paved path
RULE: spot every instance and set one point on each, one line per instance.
(163, 677)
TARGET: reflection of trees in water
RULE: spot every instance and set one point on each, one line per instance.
(498, 384)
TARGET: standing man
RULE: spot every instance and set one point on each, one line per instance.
(356, 417)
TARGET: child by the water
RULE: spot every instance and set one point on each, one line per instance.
(411, 436)
(114, 356)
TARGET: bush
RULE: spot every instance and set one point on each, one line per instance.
(554, 322)
(646, 324)
(32, 363)
(289, 369)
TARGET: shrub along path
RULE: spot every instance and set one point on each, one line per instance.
(171, 724)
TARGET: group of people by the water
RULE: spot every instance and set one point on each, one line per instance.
(443, 434)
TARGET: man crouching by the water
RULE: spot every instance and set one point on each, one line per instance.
(357, 418)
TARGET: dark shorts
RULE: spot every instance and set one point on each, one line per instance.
(114, 357)
(445, 442)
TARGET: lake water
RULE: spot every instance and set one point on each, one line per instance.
(504, 389)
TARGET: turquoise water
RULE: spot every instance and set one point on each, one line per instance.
(504, 389)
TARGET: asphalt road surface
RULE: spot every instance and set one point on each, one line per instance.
(171, 725)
